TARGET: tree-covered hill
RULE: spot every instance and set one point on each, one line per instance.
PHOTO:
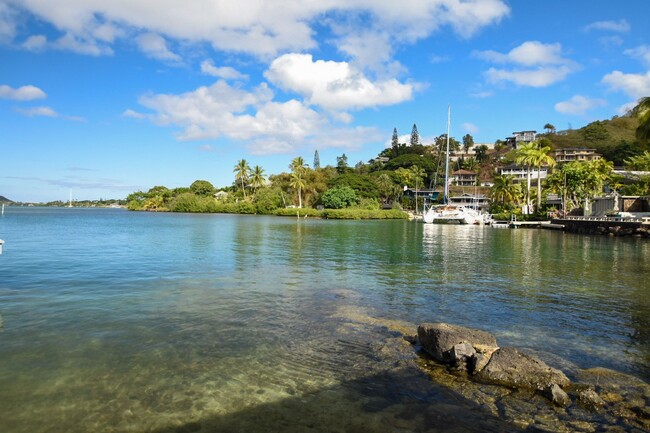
(5, 200)
(615, 139)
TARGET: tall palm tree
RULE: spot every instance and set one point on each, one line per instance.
(298, 183)
(539, 157)
(257, 178)
(242, 169)
(298, 167)
(524, 156)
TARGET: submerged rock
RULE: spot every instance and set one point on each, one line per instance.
(510, 367)
(557, 395)
(590, 398)
(438, 339)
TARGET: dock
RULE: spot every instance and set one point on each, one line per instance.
(536, 225)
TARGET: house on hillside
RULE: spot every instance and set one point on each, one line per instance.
(464, 178)
(521, 137)
(520, 174)
(571, 154)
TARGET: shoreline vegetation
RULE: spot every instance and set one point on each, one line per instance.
(403, 175)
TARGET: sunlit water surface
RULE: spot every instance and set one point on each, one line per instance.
(116, 321)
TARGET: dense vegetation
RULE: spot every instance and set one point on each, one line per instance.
(363, 190)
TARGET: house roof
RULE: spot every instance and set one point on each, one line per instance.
(464, 172)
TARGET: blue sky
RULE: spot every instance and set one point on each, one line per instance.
(103, 98)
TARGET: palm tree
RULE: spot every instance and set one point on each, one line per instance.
(524, 156)
(643, 114)
(539, 157)
(242, 169)
(298, 167)
(386, 187)
(505, 190)
(471, 164)
(418, 178)
(257, 178)
(298, 183)
(550, 129)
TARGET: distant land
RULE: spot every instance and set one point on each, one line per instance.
(4, 199)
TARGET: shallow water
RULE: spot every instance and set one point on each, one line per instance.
(120, 321)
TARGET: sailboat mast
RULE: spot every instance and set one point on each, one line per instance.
(446, 196)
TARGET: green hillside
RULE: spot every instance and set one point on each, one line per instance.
(614, 138)
(5, 200)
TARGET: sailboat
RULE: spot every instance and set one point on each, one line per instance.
(70, 202)
(446, 212)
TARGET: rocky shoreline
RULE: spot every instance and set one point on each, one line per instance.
(515, 385)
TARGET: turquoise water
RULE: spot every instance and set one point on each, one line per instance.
(121, 321)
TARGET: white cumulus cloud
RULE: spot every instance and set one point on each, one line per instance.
(578, 105)
(39, 111)
(334, 85)
(535, 64)
(634, 85)
(259, 28)
(155, 46)
(225, 72)
(641, 52)
(620, 26)
(23, 93)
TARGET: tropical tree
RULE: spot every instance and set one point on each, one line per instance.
(471, 164)
(386, 186)
(341, 164)
(639, 162)
(339, 197)
(242, 170)
(202, 187)
(394, 142)
(481, 153)
(540, 157)
(505, 191)
(257, 178)
(316, 160)
(579, 181)
(418, 179)
(468, 142)
(524, 156)
(415, 136)
(298, 168)
(550, 129)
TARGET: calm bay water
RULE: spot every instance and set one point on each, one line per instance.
(120, 321)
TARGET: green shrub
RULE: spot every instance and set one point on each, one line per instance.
(297, 212)
(339, 197)
(358, 214)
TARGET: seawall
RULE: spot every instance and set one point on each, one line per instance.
(605, 226)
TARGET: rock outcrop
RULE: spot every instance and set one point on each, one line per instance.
(510, 367)
(439, 339)
(476, 352)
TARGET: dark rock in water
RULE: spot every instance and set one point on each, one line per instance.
(515, 369)
(438, 339)
(557, 395)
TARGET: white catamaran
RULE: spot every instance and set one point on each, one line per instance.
(446, 212)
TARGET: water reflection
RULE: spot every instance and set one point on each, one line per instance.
(158, 321)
